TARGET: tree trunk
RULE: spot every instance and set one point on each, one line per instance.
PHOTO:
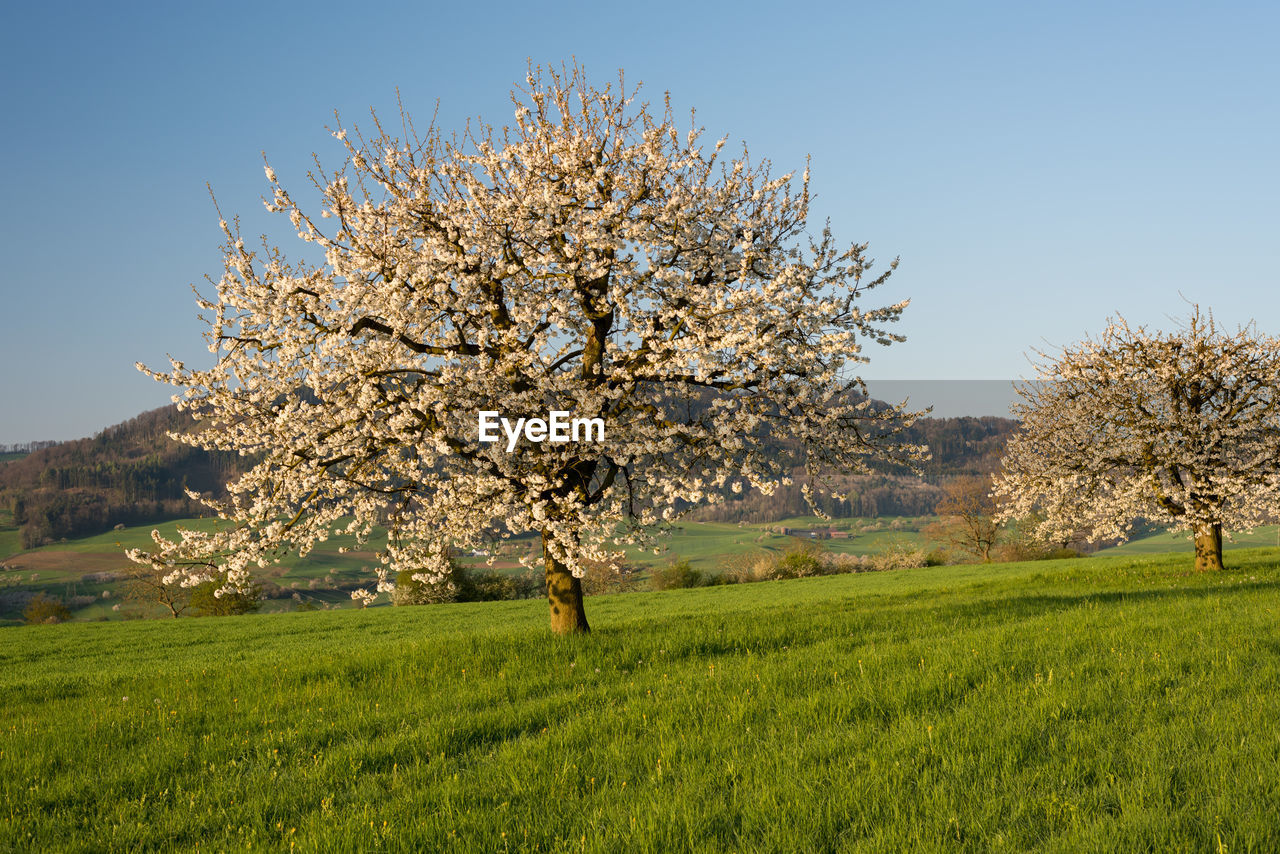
(564, 594)
(1208, 547)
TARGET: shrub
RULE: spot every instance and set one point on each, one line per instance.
(745, 568)
(799, 561)
(414, 591)
(898, 557)
(301, 604)
(490, 586)
(1022, 549)
(465, 585)
(836, 563)
(43, 608)
(937, 557)
(271, 590)
(677, 575)
(205, 604)
(610, 577)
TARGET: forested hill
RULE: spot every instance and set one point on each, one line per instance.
(131, 474)
(962, 445)
(957, 446)
(134, 474)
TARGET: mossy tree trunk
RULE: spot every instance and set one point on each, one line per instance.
(1208, 539)
(564, 595)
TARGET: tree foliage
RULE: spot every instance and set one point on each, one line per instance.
(591, 258)
(43, 608)
(967, 522)
(1179, 428)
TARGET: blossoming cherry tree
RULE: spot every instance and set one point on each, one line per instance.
(1179, 428)
(591, 258)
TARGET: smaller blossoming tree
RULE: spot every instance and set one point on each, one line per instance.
(592, 259)
(1179, 428)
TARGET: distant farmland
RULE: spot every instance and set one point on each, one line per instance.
(60, 569)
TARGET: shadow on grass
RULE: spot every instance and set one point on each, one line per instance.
(879, 617)
(1039, 604)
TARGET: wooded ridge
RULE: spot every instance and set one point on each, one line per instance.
(133, 473)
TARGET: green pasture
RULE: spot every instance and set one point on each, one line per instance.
(708, 545)
(139, 536)
(1106, 704)
(10, 541)
(1164, 542)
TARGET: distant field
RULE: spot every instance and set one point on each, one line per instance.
(58, 569)
(706, 544)
(1104, 704)
(10, 541)
(4, 458)
(1268, 536)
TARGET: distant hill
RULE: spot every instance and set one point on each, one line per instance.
(134, 474)
(130, 474)
(958, 446)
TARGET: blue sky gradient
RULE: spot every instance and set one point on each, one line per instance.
(1037, 167)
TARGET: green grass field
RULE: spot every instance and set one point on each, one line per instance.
(1107, 704)
(1267, 536)
(706, 545)
(10, 541)
(692, 540)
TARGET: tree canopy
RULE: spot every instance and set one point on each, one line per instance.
(1179, 428)
(592, 258)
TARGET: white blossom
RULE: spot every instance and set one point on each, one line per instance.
(589, 259)
(1181, 429)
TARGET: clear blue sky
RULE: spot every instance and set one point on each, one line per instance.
(1037, 167)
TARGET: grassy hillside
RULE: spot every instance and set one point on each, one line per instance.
(1104, 704)
(706, 544)
(1265, 537)
(10, 541)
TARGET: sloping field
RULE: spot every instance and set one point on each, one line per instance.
(1165, 542)
(1108, 704)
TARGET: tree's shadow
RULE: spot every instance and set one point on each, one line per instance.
(1036, 604)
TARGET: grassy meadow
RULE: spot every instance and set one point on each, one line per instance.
(1106, 704)
(1267, 536)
